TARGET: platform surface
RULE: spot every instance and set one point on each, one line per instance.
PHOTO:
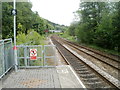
(47, 77)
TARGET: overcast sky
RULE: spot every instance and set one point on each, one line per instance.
(57, 11)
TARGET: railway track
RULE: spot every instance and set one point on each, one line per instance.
(113, 58)
(90, 77)
(110, 63)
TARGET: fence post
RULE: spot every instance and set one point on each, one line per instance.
(0, 84)
(44, 57)
(25, 56)
(11, 52)
(3, 68)
(55, 56)
(1, 57)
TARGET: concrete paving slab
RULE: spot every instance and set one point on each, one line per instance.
(47, 77)
(0, 84)
(68, 78)
(33, 78)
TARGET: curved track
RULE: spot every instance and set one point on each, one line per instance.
(113, 62)
(90, 77)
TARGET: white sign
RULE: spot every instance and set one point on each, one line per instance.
(33, 54)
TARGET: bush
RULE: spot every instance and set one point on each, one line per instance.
(32, 38)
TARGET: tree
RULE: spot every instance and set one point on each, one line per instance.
(7, 20)
(104, 31)
(72, 29)
(90, 16)
(99, 24)
(116, 25)
(26, 19)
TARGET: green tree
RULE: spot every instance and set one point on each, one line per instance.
(90, 16)
(116, 25)
(72, 28)
(7, 20)
(26, 20)
(104, 32)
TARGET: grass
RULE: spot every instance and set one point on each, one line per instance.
(68, 37)
(104, 49)
(71, 38)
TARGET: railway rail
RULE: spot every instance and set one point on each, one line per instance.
(111, 65)
(90, 77)
(112, 57)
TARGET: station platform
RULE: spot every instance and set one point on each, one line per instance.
(45, 77)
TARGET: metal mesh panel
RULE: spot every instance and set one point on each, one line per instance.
(39, 61)
(1, 57)
(49, 55)
(46, 59)
(23, 55)
(6, 56)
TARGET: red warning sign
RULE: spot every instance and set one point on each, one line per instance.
(33, 54)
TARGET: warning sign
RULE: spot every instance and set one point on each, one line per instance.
(33, 54)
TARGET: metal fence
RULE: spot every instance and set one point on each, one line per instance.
(23, 56)
(45, 56)
(50, 55)
(6, 56)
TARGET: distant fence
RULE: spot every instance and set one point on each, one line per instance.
(6, 56)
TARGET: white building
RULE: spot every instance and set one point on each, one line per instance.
(55, 31)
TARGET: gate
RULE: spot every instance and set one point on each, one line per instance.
(23, 56)
(30, 56)
(50, 55)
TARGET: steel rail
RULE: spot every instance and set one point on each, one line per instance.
(77, 47)
(89, 67)
(117, 60)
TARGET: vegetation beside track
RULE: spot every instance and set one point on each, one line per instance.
(31, 38)
(73, 39)
(26, 19)
(97, 26)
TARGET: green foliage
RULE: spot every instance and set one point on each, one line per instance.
(31, 38)
(7, 21)
(26, 20)
(67, 36)
(103, 49)
(104, 32)
(81, 34)
(57, 26)
(116, 25)
(21, 38)
(72, 29)
(99, 25)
